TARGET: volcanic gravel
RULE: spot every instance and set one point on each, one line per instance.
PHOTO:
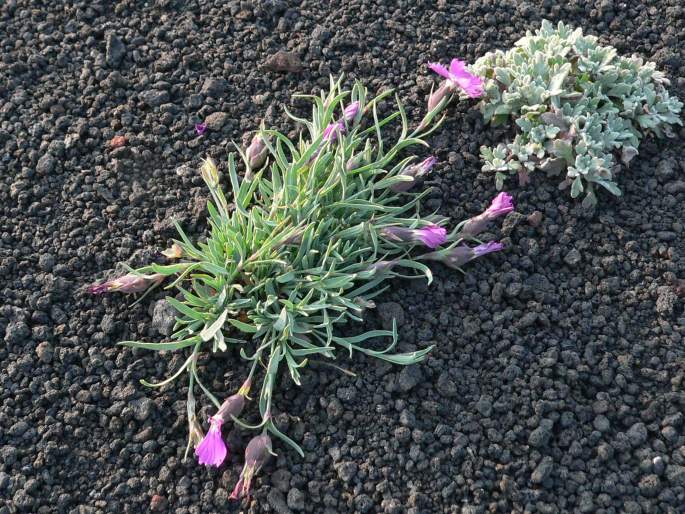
(556, 382)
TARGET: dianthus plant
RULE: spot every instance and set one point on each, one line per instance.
(577, 105)
(312, 233)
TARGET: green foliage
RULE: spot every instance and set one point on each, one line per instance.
(577, 105)
(294, 253)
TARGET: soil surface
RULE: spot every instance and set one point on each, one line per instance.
(556, 383)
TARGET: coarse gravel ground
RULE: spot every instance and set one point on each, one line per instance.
(556, 384)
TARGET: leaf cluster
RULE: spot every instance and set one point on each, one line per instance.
(579, 108)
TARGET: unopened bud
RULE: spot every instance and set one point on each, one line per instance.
(209, 172)
(256, 153)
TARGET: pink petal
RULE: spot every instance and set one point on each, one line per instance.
(458, 68)
(439, 69)
(212, 450)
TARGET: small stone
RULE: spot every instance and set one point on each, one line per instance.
(602, 423)
(484, 406)
(637, 434)
(363, 503)
(659, 465)
(446, 386)
(277, 502)
(346, 471)
(666, 168)
(407, 418)
(666, 300)
(387, 311)
(115, 50)
(280, 479)
(214, 87)
(45, 352)
(334, 409)
(142, 408)
(117, 142)
(542, 434)
(543, 470)
(676, 474)
(296, 499)
(16, 332)
(154, 97)
(283, 61)
(572, 258)
(535, 219)
(46, 262)
(158, 503)
(18, 429)
(409, 377)
(163, 317)
(402, 434)
(650, 486)
(46, 165)
(216, 120)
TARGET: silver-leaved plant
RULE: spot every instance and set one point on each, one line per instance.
(578, 106)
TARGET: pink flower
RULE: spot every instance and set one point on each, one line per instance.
(458, 76)
(200, 128)
(130, 283)
(256, 454)
(460, 255)
(502, 204)
(414, 171)
(431, 235)
(486, 248)
(212, 450)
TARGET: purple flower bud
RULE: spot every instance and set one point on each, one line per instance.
(330, 133)
(350, 112)
(130, 283)
(212, 450)
(256, 153)
(232, 406)
(502, 204)
(460, 255)
(431, 235)
(256, 454)
(356, 161)
(445, 89)
(200, 128)
(414, 171)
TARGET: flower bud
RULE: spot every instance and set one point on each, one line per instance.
(256, 153)
(414, 171)
(502, 204)
(431, 235)
(350, 112)
(445, 89)
(256, 454)
(209, 172)
(460, 255)
(130, 283)
(381, 266)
